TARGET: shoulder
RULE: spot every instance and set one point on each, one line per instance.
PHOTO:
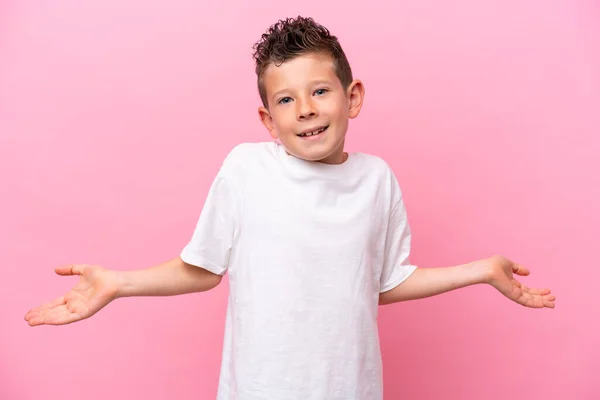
(246, 159)
(380, 170)
(374, 162)
(245, 155)
(376, 166)
(245, 152)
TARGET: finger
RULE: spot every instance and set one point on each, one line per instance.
(54, 303)
(40, 314)
(59, 301)
(46, 316)
(520, 270)
(57, 316)
(532, 301)
(549, 301)
(535, 302)
(541, 292)
(70, 269)
(538, 301)
(529, 301)
(64, 319)
(549, 304)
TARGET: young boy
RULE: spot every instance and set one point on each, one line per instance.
(313, 239)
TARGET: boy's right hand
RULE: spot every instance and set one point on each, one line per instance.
(96, 288)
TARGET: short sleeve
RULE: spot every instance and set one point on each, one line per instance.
(396, 263)
(211, 243)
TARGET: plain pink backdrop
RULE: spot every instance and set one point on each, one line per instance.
(115, 117)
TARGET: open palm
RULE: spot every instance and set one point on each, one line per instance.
(96, 288)
(502, 278)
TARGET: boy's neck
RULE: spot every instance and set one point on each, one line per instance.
(333, 159)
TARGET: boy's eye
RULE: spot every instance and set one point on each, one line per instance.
(318, 92)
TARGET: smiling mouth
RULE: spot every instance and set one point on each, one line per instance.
(313, 133)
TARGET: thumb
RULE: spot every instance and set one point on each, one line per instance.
(71, 269)
(520, 270)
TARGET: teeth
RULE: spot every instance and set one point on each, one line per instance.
(313, 132)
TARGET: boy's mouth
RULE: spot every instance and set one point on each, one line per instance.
(313, 132)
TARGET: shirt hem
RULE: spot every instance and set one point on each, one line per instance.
(201, 262)
(396, 282)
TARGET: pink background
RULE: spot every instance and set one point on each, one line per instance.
(115, 116)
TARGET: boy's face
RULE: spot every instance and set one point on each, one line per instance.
(308, 107)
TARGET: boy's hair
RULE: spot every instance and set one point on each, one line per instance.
(293, 37)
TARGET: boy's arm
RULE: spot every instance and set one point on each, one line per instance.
(171, 278)
(99, 286)
(496, 271)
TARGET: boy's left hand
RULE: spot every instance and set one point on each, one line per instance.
(501, 276)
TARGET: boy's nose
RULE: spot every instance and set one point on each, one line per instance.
(306, 109)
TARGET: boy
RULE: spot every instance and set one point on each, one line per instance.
(313, 239)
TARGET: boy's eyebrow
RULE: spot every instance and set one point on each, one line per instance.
(311, 83)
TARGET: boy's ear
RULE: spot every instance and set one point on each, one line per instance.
(267, 120)
(356, 95)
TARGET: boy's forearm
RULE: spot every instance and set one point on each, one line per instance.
(426, 282)
(171, 278)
